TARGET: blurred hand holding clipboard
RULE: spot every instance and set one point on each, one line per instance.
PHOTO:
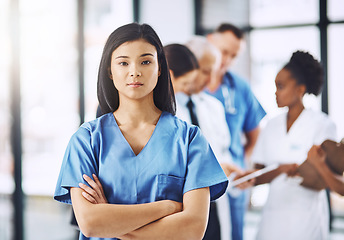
(334, 160)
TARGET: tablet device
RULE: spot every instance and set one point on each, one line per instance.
(253, 175)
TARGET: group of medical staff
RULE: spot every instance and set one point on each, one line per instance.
(222, 139)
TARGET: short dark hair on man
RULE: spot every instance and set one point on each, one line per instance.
(108, 98)
(306, 70)
(180, 59)
(225, 27)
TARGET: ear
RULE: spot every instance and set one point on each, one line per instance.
(159, 71)
(109, 73)
(302, 89)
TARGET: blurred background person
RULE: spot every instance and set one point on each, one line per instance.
(189, 77)
(243, 112)
(293, 211)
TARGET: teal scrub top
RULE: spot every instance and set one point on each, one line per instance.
(243, 112)
(176, 159)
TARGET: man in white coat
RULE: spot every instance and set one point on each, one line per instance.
(211, 119)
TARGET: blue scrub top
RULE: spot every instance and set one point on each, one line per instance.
(176, 159)
(243, 112)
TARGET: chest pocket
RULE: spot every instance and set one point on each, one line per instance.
(170, 188)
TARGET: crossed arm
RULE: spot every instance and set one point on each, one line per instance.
(157, 220)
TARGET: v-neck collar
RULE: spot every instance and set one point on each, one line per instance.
(295, 122)
(150, 139)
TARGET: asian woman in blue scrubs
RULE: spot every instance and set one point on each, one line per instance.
(157, 172)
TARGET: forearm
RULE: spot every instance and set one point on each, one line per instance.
(248, 148)
(335, 183)
(267, 177)
(251, 139)
(114, 220)
(177, 226)
(189, 224)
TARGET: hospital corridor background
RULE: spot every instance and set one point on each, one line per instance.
(50, 53)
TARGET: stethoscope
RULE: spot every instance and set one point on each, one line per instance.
(229, 94)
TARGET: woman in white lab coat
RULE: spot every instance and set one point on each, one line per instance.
(293, 211)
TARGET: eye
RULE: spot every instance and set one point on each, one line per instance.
(123, 63)
(279, 86)
(146, 62)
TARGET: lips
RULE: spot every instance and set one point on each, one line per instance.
(135, 84)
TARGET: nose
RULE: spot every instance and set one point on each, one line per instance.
(135, 72)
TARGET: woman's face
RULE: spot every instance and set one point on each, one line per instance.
(186, 82)
(135, 69)
(288, 92)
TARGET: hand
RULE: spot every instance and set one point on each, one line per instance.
(289, 169)
(95, 193)
(247, 184)
(230, 168)
(316, 155)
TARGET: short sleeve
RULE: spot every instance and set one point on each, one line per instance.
(255, 112)
(203, 169)
(328, 131)
(78, 160)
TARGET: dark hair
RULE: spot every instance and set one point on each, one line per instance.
(306, 70)
(180, 59)
(224, 27)
(163, 94)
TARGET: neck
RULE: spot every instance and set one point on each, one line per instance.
(293, 113)
(295, 110)
(215, 83)
(136, 112)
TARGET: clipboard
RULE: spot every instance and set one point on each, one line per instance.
(250, 176)
(334, 160)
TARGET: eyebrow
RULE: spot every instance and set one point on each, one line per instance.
(142, 55)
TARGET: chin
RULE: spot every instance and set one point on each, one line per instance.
(279, 105)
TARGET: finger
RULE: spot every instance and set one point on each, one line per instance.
(89, 190)
(322, 152)
(93, 184)
(89, 198)
(96, 179)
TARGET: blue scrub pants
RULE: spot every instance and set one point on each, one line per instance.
(238, 206)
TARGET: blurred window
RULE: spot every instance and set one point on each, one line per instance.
(6, 158)
(280, 12)
(216, 12)
(173, 20)
(335, 10)
(49, 81)
(101, 19)
(336, 75)
(270, 51)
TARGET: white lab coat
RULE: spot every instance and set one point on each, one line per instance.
(212, 121)
(292, 211)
